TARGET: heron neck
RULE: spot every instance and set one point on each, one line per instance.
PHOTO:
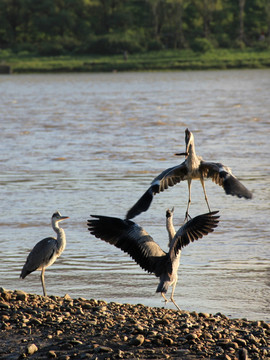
(193, 160)
(61, 237)
(170, 229)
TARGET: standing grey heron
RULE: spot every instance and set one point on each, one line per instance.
(191, 169)
(134, 240)
(46, 251)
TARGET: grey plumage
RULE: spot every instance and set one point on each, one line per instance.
(46, 251)
(192, 168)
(134, 240)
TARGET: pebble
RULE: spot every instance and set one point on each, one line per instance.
(31, 349)
(66, 328)
(52, 354)
(137, 340)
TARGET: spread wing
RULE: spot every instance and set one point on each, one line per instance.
(129, 237)
(223, 176)
(168, 177)
(40, 256)
(194, 229)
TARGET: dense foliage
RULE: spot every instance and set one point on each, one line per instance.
(54, 27)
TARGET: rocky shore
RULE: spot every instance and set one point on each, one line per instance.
(37, 327)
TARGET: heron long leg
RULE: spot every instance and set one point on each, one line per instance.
(205, 196)
(43, 281)
(164, 297)
(172, 299)
(189, 198)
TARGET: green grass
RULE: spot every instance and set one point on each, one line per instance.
(158, 60)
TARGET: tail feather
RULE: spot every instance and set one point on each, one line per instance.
(163, 287)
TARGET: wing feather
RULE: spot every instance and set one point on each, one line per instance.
(193, 230)
(129, 237)
(163, 181)
(40, 255)
(223, 176)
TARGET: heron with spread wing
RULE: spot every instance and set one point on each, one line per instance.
(191, 169)
(134, 240)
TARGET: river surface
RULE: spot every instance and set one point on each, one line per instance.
(92, 143)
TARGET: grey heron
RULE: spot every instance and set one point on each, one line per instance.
(134, 240)
(46, 251)
(192, 168)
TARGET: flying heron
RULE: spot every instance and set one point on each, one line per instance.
(134, 240)
(46, 251)
(191, 169)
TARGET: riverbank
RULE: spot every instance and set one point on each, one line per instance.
(65, 328)
(150, 61)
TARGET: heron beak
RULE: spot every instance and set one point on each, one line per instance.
(64, 217)
(180, 154)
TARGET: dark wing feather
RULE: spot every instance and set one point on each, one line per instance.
(129, 237)
(194, 229)
(168, 177)
(222, 176)
(40, 255)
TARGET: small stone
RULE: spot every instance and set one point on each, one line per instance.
(86, 306)
(76, 342)
(67, 297)
(52, 354)
(204, 315)
(21, 295)
(182, 352)
(137, 340)
(6, 295)
(31, 349)
(34, 321)
(4, 305)
(223, 342)
(104, 349)
(241, 342)
(101, 308)
(139, 328)
(191, 336)
(152, 333)
(233, 345)
(121, 354)
(92, 322)
(168, 341)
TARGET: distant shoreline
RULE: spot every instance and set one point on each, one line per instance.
(166, 60)
(62, 327)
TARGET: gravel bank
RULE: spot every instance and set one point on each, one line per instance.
(63, 328)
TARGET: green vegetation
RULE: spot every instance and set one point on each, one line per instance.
(154, 60)
(63, 27)
(94, 35)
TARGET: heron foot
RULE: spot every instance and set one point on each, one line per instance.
(187, 217)
(165, 299)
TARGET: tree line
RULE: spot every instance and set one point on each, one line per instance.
(55, 27)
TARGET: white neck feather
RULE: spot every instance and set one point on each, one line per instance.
(61, 237)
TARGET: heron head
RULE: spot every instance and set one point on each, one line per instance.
(189, 139)
(58, 217)
(169, 213)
